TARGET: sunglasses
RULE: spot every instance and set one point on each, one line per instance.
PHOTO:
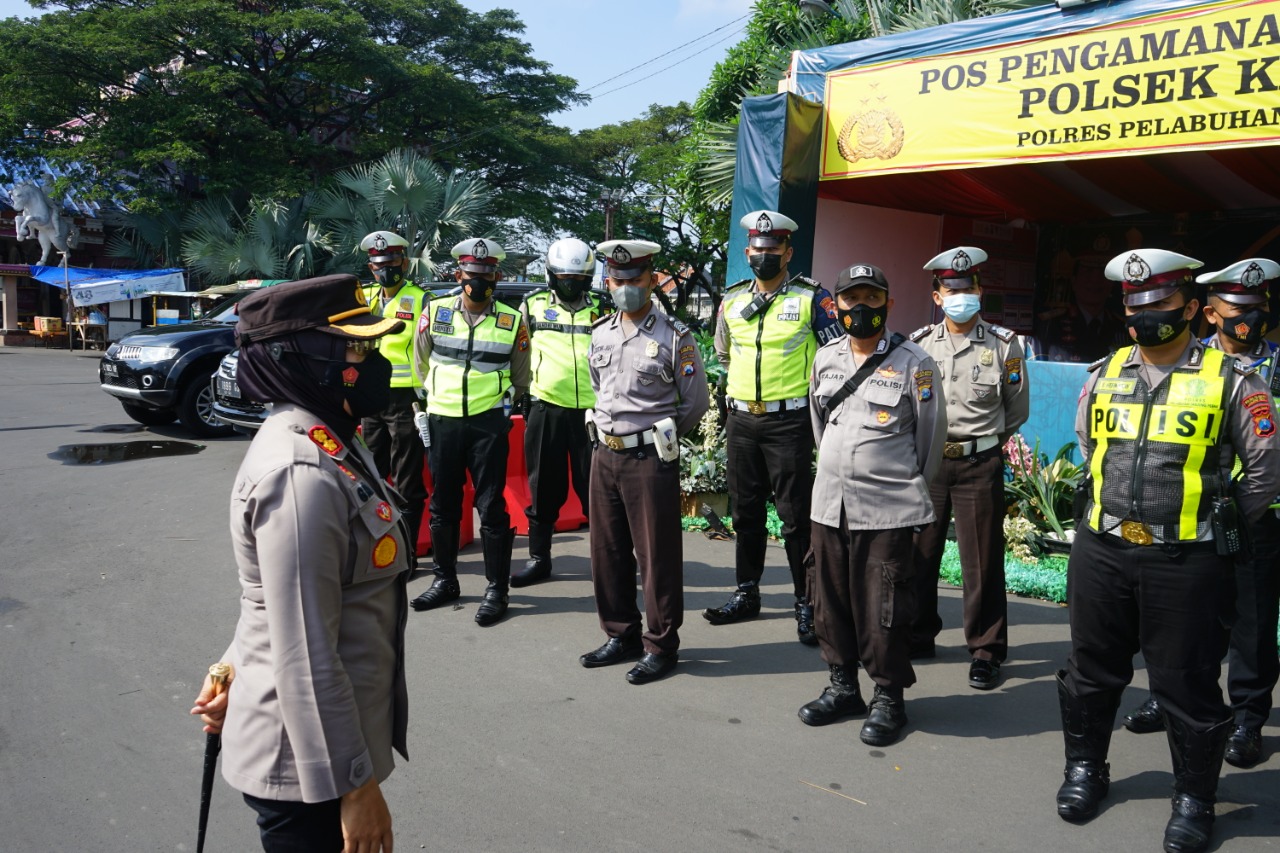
(365, 347)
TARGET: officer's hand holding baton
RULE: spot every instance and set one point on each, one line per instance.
(211, 705)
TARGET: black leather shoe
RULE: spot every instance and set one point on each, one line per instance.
(1146, 718)
(984, 674)
(615, 650)
(923, 651)
(1085, 785)
(533, 571)
(742, 606)
(833, 704)
(652, 667)
(804, 623)
(441, 591)
(885, 719)
(1244, 747)
(1189, 826)
(492, 607)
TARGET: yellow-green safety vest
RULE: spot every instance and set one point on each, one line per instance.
(406, 305)
(770, 354)
(470, 366)
(559, 338)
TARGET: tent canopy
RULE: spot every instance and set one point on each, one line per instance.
(95, 286)
(975, 86)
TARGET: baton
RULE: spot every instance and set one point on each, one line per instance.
(212, 746)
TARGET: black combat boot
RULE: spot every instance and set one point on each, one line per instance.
(841, 699)
(744, 604)
(804, 622)
(1197, 761)
(886, 718)
(538, 566)
(1146, 718)
(1086, 731)
(444, 551)
(497, 570)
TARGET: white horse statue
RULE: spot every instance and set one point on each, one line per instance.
(40, 219)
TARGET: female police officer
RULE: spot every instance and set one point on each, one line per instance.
(318, 699)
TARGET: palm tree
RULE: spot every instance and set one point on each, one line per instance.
(405, 193)
(266, 238)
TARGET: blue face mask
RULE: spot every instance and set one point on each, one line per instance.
(961, 307)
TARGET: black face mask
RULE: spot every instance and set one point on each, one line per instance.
(1247, 328)
(1151, 328)
(765, 266)
(365, 386)
(388, 277)
(863, 321)
(478, 289)
(568, 289)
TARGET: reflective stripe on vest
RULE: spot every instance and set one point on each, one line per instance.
(470, 366)
(559, 339)
(771, 354)
(406, 305)
(1154, 454)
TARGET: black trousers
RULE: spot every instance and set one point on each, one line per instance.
(552, 433)
(477, 445)
(864, 600)
(770, 454)
(972, 487)
(1253, 665)
(292, 827)
(635, 512)
(1173, 604)
(398, 452)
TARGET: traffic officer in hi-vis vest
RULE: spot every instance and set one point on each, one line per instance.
(650, 389)
(880, 422)
(390, 434)
(1160, 523)
(474, 354)
(981, 366)
(556, 447)
(1237, 305)
(767, 333)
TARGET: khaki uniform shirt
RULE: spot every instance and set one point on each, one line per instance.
(520, 375)
(985, 379)
(1249, 433)
(646, 372)
(318, 700)
(880, 447)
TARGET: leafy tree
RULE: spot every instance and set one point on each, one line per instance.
(209, 97)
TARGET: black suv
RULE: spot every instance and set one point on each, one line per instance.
(232, 409)
(162, 372)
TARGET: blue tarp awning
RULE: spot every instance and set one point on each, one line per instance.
(93, 286)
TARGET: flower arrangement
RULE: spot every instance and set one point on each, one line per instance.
(704, 461)
(1039, 490)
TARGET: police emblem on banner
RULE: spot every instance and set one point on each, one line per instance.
(871, 134)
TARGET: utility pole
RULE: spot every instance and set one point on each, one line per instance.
(611, 199)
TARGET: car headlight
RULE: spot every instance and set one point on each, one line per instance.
(150, 355)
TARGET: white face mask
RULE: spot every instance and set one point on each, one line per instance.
(961, 307)
(630, 297)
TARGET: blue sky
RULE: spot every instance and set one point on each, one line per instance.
(593, 40)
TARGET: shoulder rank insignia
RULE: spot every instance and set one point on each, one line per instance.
(506, 321)
(804, 281)
(325, 440)
(918, 335)
(1001, 332)
(600, 322)
(1095, 365)
(681, 328)
(738, 284)
(1244, 369)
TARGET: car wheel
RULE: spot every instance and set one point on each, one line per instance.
(195, 409)
(149, 417)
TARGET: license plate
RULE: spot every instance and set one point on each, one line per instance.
(109, 369)
(227, 388)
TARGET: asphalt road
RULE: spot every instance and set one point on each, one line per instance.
(117, 589)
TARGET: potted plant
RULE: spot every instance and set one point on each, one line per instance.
(1041, 491)
(704, 468)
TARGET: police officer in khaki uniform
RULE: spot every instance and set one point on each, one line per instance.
(767, 332)
(391, 435)
(556, 448)
(473, 354)
(983, 370)
(650, 389)
(318, 699)
(1160, 425)
(880, 420)
(1238, 297)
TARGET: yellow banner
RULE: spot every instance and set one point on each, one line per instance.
(1207, 77)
